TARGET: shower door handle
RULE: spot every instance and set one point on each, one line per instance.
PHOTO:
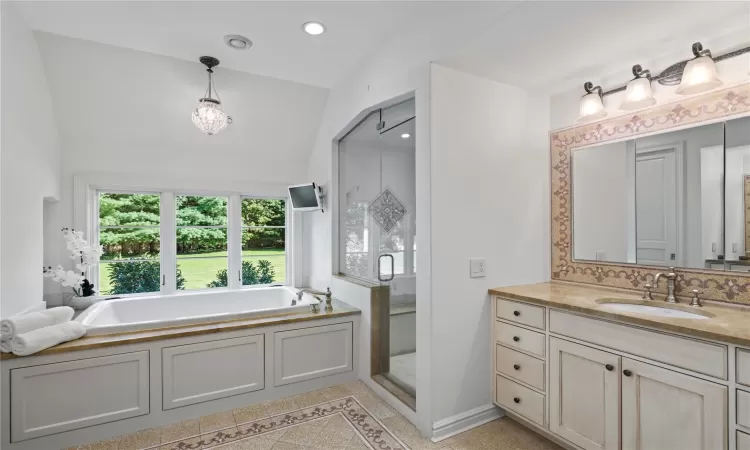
(393, 267)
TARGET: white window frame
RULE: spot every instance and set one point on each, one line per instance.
(86, 218)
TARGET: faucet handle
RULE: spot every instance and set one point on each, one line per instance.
(647, 295)
(696, 298)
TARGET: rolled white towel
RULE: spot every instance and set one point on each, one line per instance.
(24, 323)
(5, 346)
(38, 340)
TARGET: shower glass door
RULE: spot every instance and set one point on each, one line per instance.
(377, 206)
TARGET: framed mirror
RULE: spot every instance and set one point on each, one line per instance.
(671, 190)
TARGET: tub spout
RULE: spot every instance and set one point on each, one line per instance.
(316, 294)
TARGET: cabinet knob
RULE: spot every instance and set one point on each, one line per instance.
(516, 313)
(609, 367)
(516, 338)
(627, 373)
(516, 366)
(517, 399)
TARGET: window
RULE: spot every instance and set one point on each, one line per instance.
(263, 241)
(159, 242)
(201, 241)
(129, 232)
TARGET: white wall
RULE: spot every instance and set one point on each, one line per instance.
(127, 113)
(603, 199)
(564, 105)
(490, 199)
(29, 164)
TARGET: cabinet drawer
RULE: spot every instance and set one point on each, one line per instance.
(520, 338)
(519, 399)
(743, 366)
(520, 366)
(522, 313)
(743, 441)
(743, 408)
(698, 356)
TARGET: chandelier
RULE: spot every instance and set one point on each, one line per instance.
(209, 116)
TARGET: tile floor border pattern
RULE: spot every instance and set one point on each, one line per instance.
(374, 433)
(340, 424)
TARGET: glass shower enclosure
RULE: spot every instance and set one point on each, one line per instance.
(376, 223)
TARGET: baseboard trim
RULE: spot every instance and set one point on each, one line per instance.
(451, 426)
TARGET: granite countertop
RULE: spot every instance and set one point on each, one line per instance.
(340, 309)
(728, 323)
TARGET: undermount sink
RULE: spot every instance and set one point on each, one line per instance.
(653, 308)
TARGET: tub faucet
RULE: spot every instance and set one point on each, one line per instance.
(314, 293)
(671, 276)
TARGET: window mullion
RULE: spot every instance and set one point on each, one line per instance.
(168, 243)
(234, 242)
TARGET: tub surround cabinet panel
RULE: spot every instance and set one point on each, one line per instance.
(616, 386)
(54, 398)
(64, 400)
(188, 378)
(298, 354)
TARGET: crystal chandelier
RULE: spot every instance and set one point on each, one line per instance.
(209, 116)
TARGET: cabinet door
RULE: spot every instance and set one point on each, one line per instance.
(666, 410)
(584, 395)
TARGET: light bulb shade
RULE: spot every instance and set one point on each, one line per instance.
(699, 76)
(592, 107)
(638, 95)
(210, 117)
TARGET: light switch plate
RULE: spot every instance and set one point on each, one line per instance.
(476, 268)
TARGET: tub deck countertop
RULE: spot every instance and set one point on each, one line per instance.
(340, 309)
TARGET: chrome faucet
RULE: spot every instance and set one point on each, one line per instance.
(671, 276)
(314, 293)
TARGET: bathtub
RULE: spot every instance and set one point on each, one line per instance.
(163, 311)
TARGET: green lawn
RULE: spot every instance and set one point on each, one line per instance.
(198, 272)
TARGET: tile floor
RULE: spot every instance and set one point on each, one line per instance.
(344, 417)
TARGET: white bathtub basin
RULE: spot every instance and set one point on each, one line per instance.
(162, 311)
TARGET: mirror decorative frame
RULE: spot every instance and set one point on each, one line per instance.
(724, 104)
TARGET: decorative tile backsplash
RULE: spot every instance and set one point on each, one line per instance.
(715, 285)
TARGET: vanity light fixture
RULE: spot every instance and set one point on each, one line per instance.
(699, 74)
(209, 116)
(405, 136)
(314, 28)
(693, 76)
(592, 107)
(638, 91)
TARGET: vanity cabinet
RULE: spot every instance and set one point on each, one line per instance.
(614, 386)
(663, 409)
(584, 395)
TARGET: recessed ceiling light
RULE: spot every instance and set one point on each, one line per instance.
(405, 136)
(238, 42)
(314, 28)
